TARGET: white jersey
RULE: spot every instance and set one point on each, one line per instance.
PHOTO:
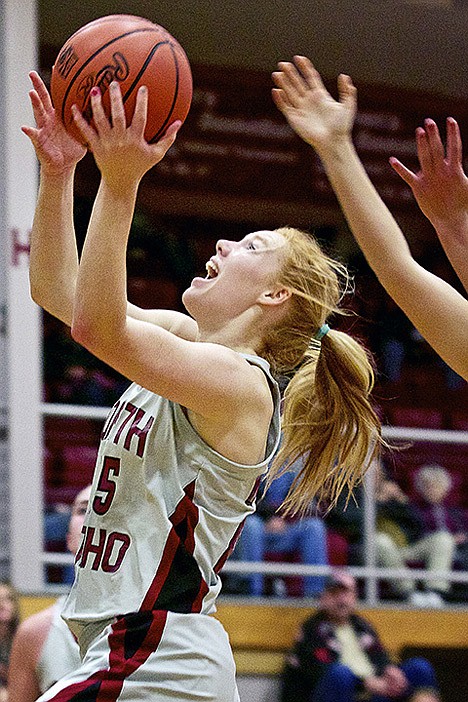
(60, 653)
(164, 513)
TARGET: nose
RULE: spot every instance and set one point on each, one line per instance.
(223, 247)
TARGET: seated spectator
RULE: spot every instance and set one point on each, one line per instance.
(56, 527)
(44, 650)
(346, 518)
(433, 543)
(266, 531)
(338, 657)
(402, 536)
(9, 620)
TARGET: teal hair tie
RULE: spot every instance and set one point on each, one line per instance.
(324, 329)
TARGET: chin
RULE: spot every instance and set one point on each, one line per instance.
(187, 298)
(193, 301)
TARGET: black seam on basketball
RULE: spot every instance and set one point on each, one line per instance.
(88, 60)
(143, 69)
(176, 95)
(112, 18)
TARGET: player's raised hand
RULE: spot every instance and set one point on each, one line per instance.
(440, 187)
(56, 150)
(309, 108)
(121, 151)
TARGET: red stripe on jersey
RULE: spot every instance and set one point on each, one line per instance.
(121, 667)
(198, 601)
(71, 693)
(106, 685)
(222, 560)
(162, 571)
(182, 535)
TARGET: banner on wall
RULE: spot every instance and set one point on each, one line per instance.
(236, 142)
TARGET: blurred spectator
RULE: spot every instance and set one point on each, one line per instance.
(338, 657)
(44, 649)
(267, 532)
(9, 620)
(346, 518)
(403, 534)
(431, 538)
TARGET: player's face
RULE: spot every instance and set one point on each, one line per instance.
(238, 273)
(79, 508)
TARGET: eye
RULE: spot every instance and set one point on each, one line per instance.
(251, 246)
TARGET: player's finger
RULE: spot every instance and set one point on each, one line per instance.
(38, 109)
(290, 78)
(99, 116)
(31, 133)
(173, 130)
(434, 142)
(164, 144)
(454, 144)
(88, 133)
(347, 91)
(290, 94)
(141, 111)
(408, 176)
(282, 81)
(309, 73)
(280, 99)
(119, 122)
(41, 90)
(424, 151)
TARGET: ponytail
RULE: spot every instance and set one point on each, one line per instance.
(329, 422)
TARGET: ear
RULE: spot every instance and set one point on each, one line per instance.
(275, 297)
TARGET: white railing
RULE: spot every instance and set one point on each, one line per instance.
(369, 572)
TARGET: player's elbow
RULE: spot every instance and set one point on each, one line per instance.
(94, 335)
(84, 333)
(36, 290)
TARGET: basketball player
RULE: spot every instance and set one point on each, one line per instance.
(436, 309)
(44, 649)
(183, 450)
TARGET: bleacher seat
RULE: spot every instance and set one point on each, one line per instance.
(425, 417)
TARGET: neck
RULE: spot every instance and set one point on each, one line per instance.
(236, 334)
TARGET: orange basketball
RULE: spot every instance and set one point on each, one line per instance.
(133, 51)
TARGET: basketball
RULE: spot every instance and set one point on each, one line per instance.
(133, 51)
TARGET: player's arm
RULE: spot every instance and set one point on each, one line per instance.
(53, 256)
(176, 322)
(209, 379)
(434, 307)
(440, 188)
(54, 261)
(26, 649)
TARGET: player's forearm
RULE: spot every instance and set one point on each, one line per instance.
(454, 238)
(100, 308)
(370, 221)
(54, 256)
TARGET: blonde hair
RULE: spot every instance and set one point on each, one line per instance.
(328, 419)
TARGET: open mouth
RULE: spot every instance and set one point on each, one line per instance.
(211, 270)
